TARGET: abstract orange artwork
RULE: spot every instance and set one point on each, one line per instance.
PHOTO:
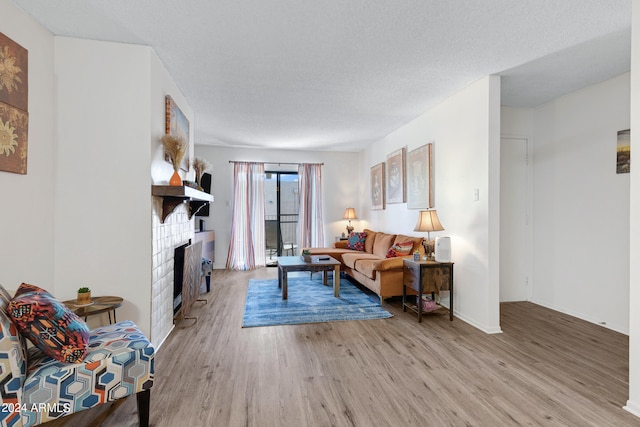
(14, 116)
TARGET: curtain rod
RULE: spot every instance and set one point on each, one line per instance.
(274, 163)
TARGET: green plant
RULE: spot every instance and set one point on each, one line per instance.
(306, 252)
(84, 290)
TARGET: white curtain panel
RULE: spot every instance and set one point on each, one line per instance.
(247, 246)
(310, 220)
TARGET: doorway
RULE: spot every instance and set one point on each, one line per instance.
(515, 226)
(282, 202)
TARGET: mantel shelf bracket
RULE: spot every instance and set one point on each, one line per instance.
(173, 196)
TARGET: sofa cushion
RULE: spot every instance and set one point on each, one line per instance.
(350, 259)
(382, 244)
(356, 241)
(400, 249)
(49, 325)
(417, 242)
(335, 253)
(368, 243)
(366, 267)
(387, 264)
(340, 244)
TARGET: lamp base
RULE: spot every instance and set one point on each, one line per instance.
(429, 248)
(349, 229)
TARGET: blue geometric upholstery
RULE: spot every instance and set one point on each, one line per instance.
(119, 362)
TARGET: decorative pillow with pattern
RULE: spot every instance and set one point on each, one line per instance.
(356, 241)
(400, 249)
(49, 325)
(26, 287)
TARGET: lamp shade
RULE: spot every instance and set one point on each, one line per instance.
(428, 221)
(350, 213)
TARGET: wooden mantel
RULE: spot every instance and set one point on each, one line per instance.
(174, 196)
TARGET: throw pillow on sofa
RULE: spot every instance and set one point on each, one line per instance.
(356, 241)
(400, 249)
(49, 324)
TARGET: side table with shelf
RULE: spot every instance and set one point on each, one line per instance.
(426, 277)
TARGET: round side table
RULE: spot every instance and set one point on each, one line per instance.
(98, 305)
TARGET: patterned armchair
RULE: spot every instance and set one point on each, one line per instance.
(36, 388)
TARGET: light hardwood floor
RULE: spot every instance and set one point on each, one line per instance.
(545, 369)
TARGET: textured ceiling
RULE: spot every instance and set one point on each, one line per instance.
(337, 74)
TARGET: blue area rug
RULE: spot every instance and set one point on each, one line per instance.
(309, 302)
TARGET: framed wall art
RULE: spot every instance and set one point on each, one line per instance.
(377, 187)
(177, 124)
(396, 189)
(419, 183)
(14, 100)
(623, 152)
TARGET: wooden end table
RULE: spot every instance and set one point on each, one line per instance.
(322, 263)
(98, 305)
(426, 277)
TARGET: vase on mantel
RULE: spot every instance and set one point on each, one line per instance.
(175, 180)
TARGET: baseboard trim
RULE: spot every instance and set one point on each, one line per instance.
(632, 407)
(581, 316)
(483, 328)
(157, 347)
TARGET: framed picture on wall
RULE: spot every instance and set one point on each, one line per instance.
(623, 154)
(377, 186)
(419, 182)
(396, 190)
(14, 103)
(177, 124)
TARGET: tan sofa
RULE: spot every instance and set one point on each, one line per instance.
(370, 267)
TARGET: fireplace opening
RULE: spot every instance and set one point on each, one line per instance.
(178, 271)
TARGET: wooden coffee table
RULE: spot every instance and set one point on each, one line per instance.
(322, 263)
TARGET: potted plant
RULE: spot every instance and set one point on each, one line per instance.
(306, 255)
(84, 295)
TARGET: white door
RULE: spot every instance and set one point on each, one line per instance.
(514, 223)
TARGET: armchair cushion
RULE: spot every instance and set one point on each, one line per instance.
(118, 363)
(49, 324)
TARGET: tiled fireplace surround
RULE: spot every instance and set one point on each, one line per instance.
(175, 231)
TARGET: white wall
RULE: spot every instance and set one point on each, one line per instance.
(340, 184)
(102, 227)
(26, 210)
(633, 404)
(466, 136)
(581, 206)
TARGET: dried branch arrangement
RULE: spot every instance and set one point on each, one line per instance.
(200, 166)
(175, 147)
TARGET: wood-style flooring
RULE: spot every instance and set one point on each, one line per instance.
(545, 369)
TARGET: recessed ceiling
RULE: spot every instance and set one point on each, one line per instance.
(338, 74)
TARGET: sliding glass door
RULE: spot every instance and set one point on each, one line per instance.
(281, 214)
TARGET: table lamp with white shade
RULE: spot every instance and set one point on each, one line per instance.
(428, 221)
(350, 214)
